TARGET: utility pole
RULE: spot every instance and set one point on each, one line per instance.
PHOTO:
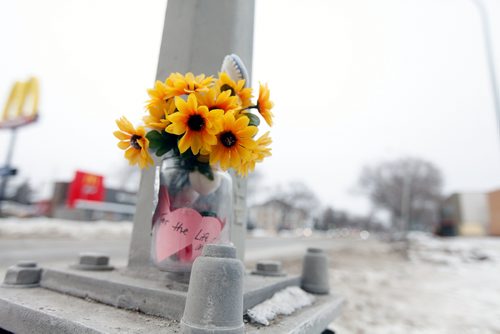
(20, 109)
(490, 60)
(7, 170)
(197, 35)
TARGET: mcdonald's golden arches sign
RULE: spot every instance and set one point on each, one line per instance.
(21, 107)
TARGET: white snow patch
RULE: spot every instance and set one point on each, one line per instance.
(284, 302)
(59, 228)
(451, 251)
(450, 286)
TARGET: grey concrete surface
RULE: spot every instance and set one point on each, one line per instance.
(266, 248)
(115, 289)
(42, 311)
(152, 293)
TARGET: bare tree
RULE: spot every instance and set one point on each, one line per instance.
(24, 193)
(408, 188)
(327, 220)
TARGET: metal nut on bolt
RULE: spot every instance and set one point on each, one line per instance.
(268, 268)
(26, 264)
(93, 261)
(25, 274)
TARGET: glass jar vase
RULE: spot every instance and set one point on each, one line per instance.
(193, 209)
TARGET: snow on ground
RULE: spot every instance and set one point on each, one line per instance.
(443, 285)
(59, 228)
(453, 251)
(284, 302)
(446, 286)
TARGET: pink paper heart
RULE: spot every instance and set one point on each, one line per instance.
(186, 254)
(208, 231)
(176, 231)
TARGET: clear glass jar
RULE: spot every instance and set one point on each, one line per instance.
(193, 209)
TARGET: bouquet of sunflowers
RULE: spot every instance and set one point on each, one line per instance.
(203, 121)
(200, 127)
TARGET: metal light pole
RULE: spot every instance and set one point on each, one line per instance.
(197, 35)
(7, 170)
(485, 24)
(20, 109)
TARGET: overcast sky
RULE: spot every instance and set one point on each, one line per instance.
(354, 82)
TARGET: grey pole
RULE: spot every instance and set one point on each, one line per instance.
(8, 160)
(197, 34)
(485, 25)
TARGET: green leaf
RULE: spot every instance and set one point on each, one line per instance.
(206, 170)
(169, 139)
(208, 214)
(254, 119)
(155, 139)
(161, 142)
(161, 151)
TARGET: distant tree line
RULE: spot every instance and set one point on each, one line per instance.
(407, 190)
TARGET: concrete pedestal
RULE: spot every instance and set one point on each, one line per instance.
(148, 292)
(124, 301)
(42, 311)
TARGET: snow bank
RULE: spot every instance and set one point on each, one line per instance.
(58, 228)
(386, 294)
(451, 251)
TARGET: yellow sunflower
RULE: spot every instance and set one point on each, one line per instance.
(234, 143)
(215, 99)
(264, 105)
(157, 104)
(157, 118)
(260, 151)
(236, 88)
(134, 142)
(196, 123)
(178, 84)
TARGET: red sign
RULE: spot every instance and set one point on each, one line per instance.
(85, 186)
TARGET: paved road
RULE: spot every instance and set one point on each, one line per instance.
(55, 251)
(60, 251)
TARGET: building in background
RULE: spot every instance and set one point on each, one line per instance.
(469, 212)
(274, 215)
(87, 198)
(494, 212)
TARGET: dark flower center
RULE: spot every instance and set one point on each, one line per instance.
(196, 122)
(191, 87)
(227, 87)
(228, 139)
(134, 142)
